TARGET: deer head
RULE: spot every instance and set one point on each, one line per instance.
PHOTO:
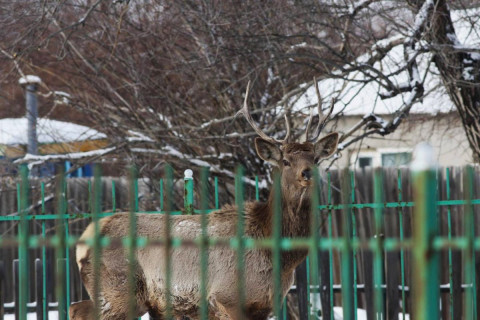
(295, 160)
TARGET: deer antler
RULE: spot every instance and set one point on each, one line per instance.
(322, 118)
(248, 117)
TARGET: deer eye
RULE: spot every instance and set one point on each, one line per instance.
(286, 163)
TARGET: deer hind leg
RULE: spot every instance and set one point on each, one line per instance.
(113, 304)
(113, 299)
(83, 310)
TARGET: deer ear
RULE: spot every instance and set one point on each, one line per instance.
(268, 151)
(326, 146)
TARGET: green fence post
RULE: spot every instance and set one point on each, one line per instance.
(379, 303)
(161, 194)
(60, 245)
(203, 247)
(347, 251)
(188, 192)
(354, 237)
(114, 197)
(276, 250)
(425, 259)
(330, 237)
(217, 205)
(168, 239)
(67, 251)
(44, 256)
(239, 201)
(469, 255)
(132, 242)
(96, 207)
(23, 244)
(450, 256)
(402, 251)
(313, 259)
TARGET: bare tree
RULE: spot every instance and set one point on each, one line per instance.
(163, 80)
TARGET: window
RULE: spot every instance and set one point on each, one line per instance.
(381, 157)
(85, 171)
(364, 162)
(395, 159)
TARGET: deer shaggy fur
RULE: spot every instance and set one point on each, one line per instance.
(294, 162)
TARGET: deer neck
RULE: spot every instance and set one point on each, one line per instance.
(295, 224)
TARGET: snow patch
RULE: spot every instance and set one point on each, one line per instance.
(13, 131)
(138, 137)
(29, 79)
(61, 97)
(468, 74)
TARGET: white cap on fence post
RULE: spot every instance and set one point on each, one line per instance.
(423, 157)
(188, 174)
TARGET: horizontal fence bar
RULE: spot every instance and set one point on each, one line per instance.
(337, 288)
(390, 244)
(320, 207)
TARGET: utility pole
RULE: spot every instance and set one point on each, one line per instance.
(30, 83)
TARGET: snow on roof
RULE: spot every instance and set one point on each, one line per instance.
(13, 131)
(358, 95)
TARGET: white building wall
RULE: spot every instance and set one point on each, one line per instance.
(444, 132)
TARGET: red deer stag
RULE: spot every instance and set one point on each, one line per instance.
(294, 161)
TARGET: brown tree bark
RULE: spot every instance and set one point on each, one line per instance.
(459, 69)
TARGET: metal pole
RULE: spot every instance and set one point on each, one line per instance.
(32, 115)
(31, 83)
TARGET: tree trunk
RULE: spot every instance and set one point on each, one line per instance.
(459, 70)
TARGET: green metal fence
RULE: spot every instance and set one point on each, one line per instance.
(347, 265)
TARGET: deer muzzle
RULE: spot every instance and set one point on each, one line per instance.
(305, 178)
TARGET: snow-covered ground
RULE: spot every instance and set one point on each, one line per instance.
(338, 313)
(52, 315)
(361, 314)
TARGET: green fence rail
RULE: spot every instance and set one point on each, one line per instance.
(340, 250)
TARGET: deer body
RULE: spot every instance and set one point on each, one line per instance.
(185, 268)
(294, 161)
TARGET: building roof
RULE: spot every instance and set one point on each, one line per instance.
(358, 92)
(13, 131)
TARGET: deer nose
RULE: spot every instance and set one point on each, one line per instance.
(306, 174)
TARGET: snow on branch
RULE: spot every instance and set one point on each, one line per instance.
(172, 152)
(421, 19)
(34, 160)
(358, 6)
(373, 124)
